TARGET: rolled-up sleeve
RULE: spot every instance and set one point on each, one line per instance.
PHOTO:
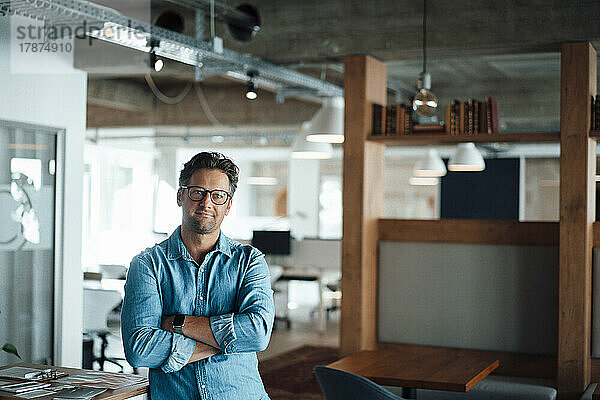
(145, 344)
(248, 329)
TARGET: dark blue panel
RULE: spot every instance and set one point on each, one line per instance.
(489, 194)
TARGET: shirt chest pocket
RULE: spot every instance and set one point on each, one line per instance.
(179, 298)
(221, 295)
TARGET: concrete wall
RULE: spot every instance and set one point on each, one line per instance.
(58, 100)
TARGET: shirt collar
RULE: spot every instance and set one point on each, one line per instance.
(176, 248)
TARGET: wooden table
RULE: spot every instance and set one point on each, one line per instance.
(420, 367)
(116, 394)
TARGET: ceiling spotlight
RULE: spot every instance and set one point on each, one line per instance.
(251, 92)
(156, 63)
(425, 102)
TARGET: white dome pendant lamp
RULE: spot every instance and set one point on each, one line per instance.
(466, 159)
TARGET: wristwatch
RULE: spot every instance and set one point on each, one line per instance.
(178, 322)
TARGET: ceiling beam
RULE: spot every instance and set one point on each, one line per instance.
(120, 95)
(227, 103)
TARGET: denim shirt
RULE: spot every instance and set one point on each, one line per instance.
(232, 287)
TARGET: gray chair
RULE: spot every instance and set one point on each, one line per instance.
(587, 395)
(341, 385)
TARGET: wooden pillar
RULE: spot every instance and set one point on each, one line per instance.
(364, 85)
(577, 209)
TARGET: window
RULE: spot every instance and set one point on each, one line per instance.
(118, 202)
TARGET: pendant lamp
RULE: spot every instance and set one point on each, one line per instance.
(425, 103)
(431, 165)
(466, 159)
(328, 123)
(303, 149)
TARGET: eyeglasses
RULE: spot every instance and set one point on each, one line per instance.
(197, 193)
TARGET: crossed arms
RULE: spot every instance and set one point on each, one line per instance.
(197, 328)
(148, 339)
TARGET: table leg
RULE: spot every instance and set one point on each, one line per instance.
(409, 393)
(321, 313)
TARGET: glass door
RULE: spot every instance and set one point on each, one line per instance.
(30, 174)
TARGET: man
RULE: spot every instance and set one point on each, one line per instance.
(199, 305)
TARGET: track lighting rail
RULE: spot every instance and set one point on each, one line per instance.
(110, 25)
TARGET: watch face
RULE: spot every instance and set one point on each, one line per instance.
(179, 320)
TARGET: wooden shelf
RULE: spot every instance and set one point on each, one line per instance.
(471, 231)
(425, 138)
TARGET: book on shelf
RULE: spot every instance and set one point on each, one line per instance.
(399, 118)
(431, 128)
(408, 119)
(469, 117)
(390, 120)
(482, 119)
(493, 115)
(378, 127)
(473, 117)
(476, 124)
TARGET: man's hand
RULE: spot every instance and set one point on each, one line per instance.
(202, 351)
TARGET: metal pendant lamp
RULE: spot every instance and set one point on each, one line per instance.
(430, 166)
(328, 123)
(466, 159)
(303, 149)
(425, 103)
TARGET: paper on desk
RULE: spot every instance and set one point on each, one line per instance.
(104, 380)
(17, 372)
(34, 393)
(78, 393)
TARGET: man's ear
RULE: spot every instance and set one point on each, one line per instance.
(179, 202)
(228, 207)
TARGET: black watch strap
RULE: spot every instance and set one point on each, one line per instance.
(178, 322)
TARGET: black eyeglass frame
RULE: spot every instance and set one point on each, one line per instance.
(209, 192)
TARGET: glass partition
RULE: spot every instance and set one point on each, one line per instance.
(29, 177)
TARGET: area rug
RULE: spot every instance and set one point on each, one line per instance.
(290, 375)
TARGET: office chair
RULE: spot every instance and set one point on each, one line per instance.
(341, 385)
(97, 304)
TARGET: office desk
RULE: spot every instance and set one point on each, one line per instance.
(305, 274)
(420, 367)
(137, 392)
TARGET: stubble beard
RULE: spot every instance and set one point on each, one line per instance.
(197, 226)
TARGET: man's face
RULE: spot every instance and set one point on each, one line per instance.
(204, 216)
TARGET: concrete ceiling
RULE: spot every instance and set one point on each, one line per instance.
(508, 50)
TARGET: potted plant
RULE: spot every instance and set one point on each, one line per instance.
(10, 348)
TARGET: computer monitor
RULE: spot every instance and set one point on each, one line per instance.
(272, 242)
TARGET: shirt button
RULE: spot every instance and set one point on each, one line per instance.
(202, 386)
(201, 298)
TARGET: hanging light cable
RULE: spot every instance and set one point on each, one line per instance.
(425, 102)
